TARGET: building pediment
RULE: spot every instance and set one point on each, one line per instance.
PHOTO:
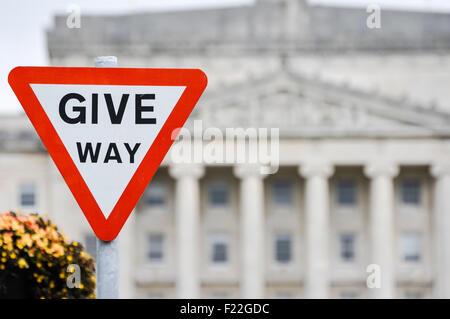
(300, 106)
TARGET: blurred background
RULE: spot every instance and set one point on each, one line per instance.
(359, 207)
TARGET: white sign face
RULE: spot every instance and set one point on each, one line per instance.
(107, 129)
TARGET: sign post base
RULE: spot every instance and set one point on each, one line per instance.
(107, 269)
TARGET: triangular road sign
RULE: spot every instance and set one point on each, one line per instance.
(107, 129)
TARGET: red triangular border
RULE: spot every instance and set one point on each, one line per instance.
(20, 79)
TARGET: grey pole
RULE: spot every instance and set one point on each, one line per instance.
(107, 251)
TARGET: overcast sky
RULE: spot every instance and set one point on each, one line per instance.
(23, 24)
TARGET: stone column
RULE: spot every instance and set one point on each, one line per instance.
(252, 240)
(441, 225)
(381, 224)
(317, 228)
(187, 226)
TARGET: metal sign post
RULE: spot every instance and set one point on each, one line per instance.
(107, 251)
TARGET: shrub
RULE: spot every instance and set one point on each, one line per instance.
(35, 259)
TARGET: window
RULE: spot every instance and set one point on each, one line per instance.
(347, 294)
(347, 247)
(219, 193)
(346, 192)
(156, 247)
(219, 248)
(282, 193)
(411, 247)
(284, 294)
(414, 295)
(90, 242)
(27, 195)
(283, 245)
(156, 295)
(410, 191)
(220, 295)
(156, 194)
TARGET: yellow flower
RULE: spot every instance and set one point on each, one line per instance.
(22, 263)
(38, 264)
(69, 258)
(52, 284)
(4, 253)
(13, 256)
(7, 238)
(61, 275)
(2, 267)
(26, 239)
(81, 286)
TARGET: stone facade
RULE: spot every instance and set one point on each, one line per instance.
(364, 143)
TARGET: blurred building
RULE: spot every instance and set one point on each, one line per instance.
(364, 172)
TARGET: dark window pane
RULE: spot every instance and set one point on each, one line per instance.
(27, 195)
(156, 242)
(284, 295)
(412, 247)
(156, 295)
(156, 194)
(219, 193)
(349, 295)
(413, 295)
(347, 247)
(220, 295)
(346, 192)
(220, 252)
(282, 193)
(410, 190)
(283, 248)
